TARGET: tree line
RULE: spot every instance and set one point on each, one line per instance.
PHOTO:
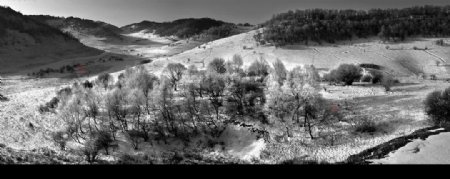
(323, 25)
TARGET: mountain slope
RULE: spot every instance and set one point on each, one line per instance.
(182, 28)
(82, 26)
(26, 42)
(401, 59)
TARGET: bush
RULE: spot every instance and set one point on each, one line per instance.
(369, 65)
(330, 77)
(43, 109)
(366, 78)
(377, 76)
(88, 84)
(440, 42)
(217, 65)
(437, 107)
(433, 77)
(145, 61)
(135, 159)
(258, 68)
(103, 140)
(348, 73)
(387, 82)
(136, 137)
(60, 138)
(368, 126)
(3, 98)
(104, 79)
(90, 150)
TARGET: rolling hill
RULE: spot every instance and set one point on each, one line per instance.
(26, 42)
(182, 28)
(81, 26)
(407, 58)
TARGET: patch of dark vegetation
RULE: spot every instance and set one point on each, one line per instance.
(110, 58)
(74, 68)
(368, 126)
(345, 73)
(384, 149)
(86, 26)
(49, 106)
(37, 156)
(3, 98)
(182, 28)
(12, 20)
(371, 66)
(323, 25)
(440, 42)
(304, 160)
(145, 61)
(218, 32)
(437, 107)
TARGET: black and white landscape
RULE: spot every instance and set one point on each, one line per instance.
(208, 82)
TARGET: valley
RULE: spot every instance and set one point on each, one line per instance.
(154, 88)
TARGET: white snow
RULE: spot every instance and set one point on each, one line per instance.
(433, 150)
(241, 143)
(150, 36)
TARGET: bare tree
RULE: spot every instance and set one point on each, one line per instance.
(174, 72)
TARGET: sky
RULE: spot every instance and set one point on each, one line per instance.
(124, 12)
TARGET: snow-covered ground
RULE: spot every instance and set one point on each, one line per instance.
(144, 34)
(433, 150)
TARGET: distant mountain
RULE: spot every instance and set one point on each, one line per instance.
(182, 28)
(26, 41)
(77, 26)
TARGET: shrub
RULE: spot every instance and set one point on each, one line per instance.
(135, 137)
(104, 79)
(387, 82)
(43, 109)
(368, 126)
(366, 78)
(330, 77)
(145, 61)
(437, 107)
(433, 77)
(60, 138)
(369, 65)
(3, 98)
(440, 42)
(377, 76)
(88, 84)
(53, 103)
(217, 65)
(135, 159)
(258, 68)
(103, 140)
(280, 71)
(90, 150)
(348, 73)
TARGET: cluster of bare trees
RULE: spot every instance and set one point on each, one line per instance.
(184, 102)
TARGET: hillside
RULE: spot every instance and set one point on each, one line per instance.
(26, 42)
(84, 27)
(402, 59)
(182, 28)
